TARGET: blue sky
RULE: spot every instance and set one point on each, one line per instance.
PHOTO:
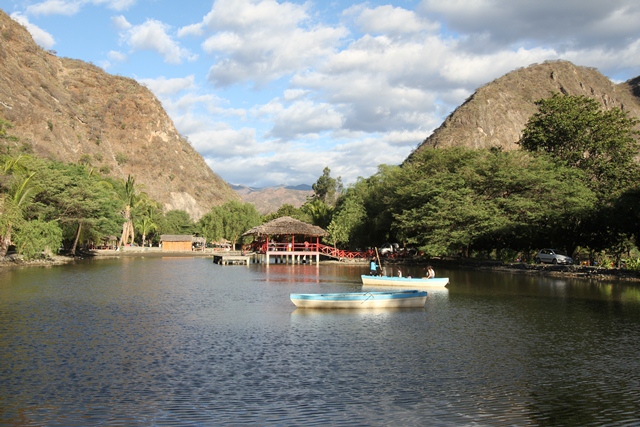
(270, 92)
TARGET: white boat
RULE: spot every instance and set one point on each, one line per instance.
(405, 282)
(397, 299)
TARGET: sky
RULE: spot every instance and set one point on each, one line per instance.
(270, 92)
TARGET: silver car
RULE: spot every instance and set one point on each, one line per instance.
(551, 256)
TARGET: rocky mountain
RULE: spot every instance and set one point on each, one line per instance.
(268, 200)
(496, 114)
(72, 111)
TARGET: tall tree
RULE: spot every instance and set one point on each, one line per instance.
(229, 221)
(578, 132)
(456, 200)
(176, 221)
(319, 212)
(85, 205)
(145, 221)
(346, 221)
(326, 188)
(129, 195)
(18, 182)
(10, 218)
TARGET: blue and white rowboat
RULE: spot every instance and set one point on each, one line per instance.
(405, 282)
(399, 299)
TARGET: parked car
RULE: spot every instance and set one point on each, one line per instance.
(552, 256)
(388, 248)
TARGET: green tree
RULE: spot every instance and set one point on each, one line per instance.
(10, 218)
(326, 188)
(84, 205)
(229, 221)
(19, 184)
(459, 200)
(346, 221)
(319, 212)
(289, 210)
(576, 131)
(177, 222)
(145, 219)
(129, 196)
(35, 238)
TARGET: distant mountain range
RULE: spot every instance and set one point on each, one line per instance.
(269, 199)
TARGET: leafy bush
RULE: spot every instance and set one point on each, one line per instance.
(37, 237)
(121, 158)
(632, 264)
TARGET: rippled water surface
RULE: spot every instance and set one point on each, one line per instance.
(183, 341)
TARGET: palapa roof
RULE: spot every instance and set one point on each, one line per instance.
(286, 225)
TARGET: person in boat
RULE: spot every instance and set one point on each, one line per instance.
(373, 268)
(430, 273)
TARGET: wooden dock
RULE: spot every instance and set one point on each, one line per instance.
(230, 259)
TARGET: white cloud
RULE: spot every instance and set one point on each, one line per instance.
(120, 22)
(570, 24)
(261, 41)
(163, 86)
(115, 4)
(153, 35)
(305, 118)
(72, 7)
(191, 30)
(55, 7)
(117, 56)
(40, 36)
(389, 20)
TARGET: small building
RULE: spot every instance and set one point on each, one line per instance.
(176, 242)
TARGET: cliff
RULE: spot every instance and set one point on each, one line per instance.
(496, 114)
(72, 111)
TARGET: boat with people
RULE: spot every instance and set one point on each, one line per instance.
(396, 299)
(405, 282)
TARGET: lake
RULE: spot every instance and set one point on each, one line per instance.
(180, 341)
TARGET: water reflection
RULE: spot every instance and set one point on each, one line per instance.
(156, 341)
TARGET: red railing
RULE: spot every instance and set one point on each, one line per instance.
(329, 251)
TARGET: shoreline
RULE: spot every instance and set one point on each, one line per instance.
(567, 271)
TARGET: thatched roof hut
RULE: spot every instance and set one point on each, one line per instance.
(286, 226)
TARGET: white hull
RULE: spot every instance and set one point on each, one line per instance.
(406, 299)
(405, 282)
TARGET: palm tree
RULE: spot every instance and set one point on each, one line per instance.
(21, 191)
(146, 222)
(129, 197)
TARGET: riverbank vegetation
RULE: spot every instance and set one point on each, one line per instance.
(573, 186)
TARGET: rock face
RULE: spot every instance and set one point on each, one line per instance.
(496, 114)
(72, 111)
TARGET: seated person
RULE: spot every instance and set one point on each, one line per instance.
(430, 273)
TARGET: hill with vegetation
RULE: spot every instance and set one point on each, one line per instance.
(496, 114)
(72, 111)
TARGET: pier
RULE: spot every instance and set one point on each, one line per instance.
(231, 259)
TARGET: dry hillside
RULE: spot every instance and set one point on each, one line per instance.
(69, 110)
(496, 114)
(269, 200)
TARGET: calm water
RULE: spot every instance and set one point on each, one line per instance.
(182, 341)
